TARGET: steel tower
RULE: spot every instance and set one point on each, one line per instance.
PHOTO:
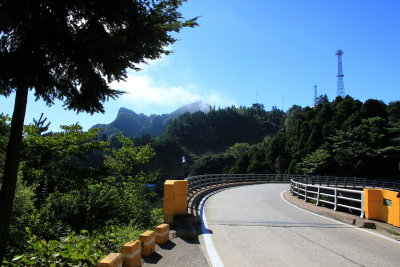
(340, 85)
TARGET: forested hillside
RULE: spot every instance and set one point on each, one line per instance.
(198, 134)
(344, 137)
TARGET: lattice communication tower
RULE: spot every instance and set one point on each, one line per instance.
(340, 85)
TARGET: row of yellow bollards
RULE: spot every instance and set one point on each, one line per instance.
(132, 251)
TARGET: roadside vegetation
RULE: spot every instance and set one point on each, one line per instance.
(77, 198)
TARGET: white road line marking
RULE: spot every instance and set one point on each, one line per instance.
(333, 220)
(210, 248)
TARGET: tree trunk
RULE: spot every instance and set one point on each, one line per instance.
(11, 167)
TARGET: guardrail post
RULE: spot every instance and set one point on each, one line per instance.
(362, 205)
(305, 194)
(318, 196)
(335, 208)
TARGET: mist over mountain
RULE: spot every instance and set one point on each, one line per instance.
(132, 124)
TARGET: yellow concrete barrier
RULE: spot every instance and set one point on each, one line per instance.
(148, 243)
(169, 201)
(162, 233)
(132, 254)
(175, 199)
(181, 194)
(111, 260)
(382, 205)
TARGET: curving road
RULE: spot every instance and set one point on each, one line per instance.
(253, 226)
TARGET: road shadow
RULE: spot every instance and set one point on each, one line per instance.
(153, 259)
(168, 245)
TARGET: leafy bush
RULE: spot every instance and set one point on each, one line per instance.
(82, 249)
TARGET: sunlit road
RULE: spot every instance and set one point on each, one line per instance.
(253, 226)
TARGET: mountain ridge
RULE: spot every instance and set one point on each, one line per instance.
(132, 124)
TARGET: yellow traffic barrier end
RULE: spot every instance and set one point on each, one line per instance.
(180, 205)
(175, 199)
(162, 233)
(382, 205)
(132, 253)
(169, 187)
(180, 187)
(148, 243)
(111, 260)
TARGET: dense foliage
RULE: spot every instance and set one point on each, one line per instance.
(216, 131)
(193, 135)
(71, 209)
(344, 137)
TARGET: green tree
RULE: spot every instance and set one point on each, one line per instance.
(393, 109)
(71, 50)
(315, 162)
(373, 108)
(40, 124)
(238, 149)
(59, 161)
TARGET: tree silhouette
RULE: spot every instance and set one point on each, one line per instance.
(71, 50)
(40, 124)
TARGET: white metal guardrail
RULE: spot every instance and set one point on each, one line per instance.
(333, 196)
(343, 192)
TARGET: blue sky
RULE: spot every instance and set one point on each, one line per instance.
(266, 51)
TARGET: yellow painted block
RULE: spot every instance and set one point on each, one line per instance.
(392, 195)
(181, 187)
(373, 194)
(180, 205)
(394, 215)
(132, 253)
(169, 206)
(372, 205)
(376, 210)
(111, 260)
(148, 243)
(162, 233)
(169, 188)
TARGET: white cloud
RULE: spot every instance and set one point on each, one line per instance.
(144, 91)
(141, 90)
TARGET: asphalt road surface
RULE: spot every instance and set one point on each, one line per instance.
(253, 226)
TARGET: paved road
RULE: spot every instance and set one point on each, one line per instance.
(253, 226)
